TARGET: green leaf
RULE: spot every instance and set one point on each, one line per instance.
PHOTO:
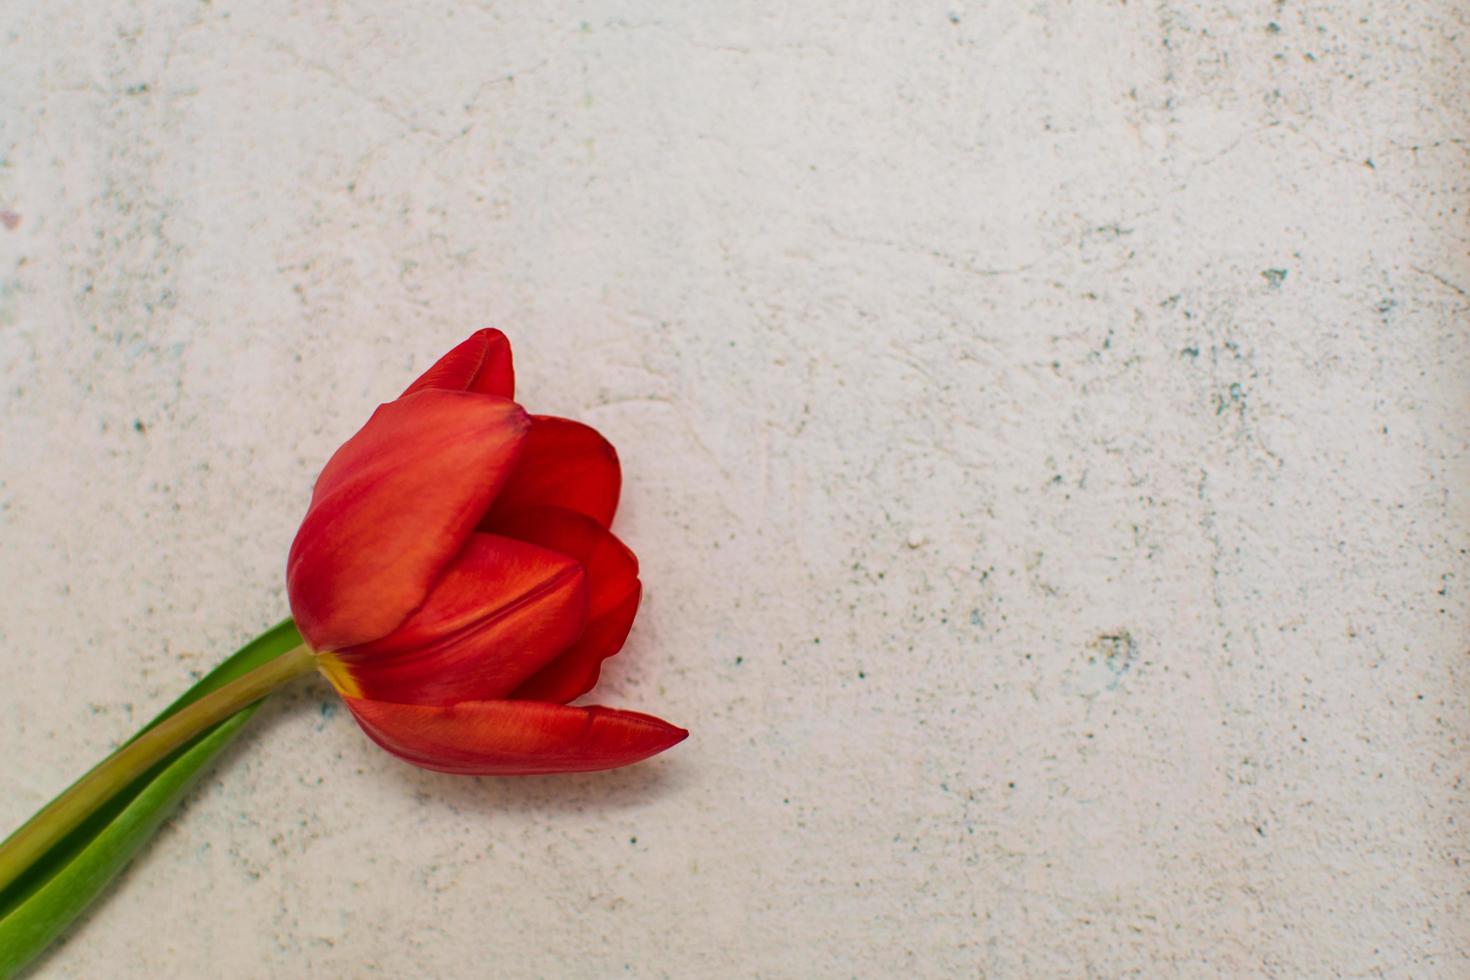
(65, 880)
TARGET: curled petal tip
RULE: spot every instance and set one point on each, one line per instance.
(513, 738)
(480, 364)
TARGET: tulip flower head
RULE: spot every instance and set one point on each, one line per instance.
(456, 576)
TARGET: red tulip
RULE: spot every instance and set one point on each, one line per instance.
(457, 579)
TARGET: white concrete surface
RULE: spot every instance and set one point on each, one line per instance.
(1045, 431)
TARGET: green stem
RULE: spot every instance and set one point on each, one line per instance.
(115, 772)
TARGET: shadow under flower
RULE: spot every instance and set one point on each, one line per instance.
(614, 789)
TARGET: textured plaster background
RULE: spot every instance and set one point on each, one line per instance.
(1045, 438)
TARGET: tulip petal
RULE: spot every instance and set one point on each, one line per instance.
(499, 612)
(513, 738)
(564, 464)
(393, 507)
(574, 672)
(612, 570)
(481, 364)
(612, 596)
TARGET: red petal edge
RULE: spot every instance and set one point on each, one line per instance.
(612, 569)
(612, 596)
(563, 464)
(392, 508)
(513, 738)
(501, 611)
(574, 671)
(481, 363)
